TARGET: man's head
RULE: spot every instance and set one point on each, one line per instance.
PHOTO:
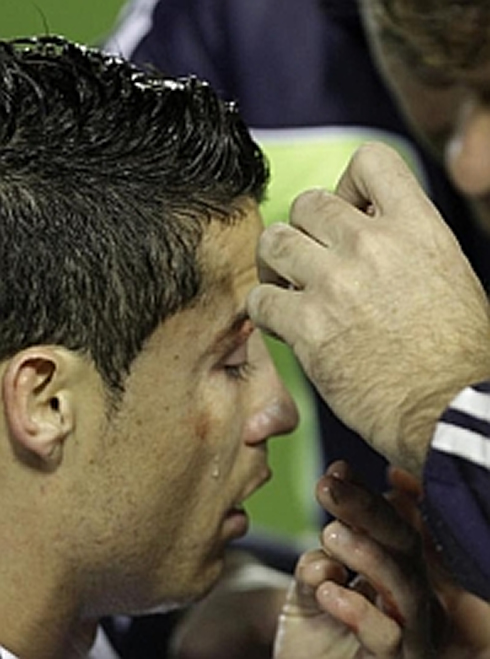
(435, 55)
(118, 173)
(137, 397)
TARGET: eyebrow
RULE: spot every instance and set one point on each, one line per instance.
(229, 332)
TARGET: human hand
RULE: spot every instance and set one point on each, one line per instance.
(468, 616)
(373, 293)
(390, 612)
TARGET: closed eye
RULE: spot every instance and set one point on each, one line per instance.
(239, 371)
(236, 364)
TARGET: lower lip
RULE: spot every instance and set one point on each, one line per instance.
(236, 523)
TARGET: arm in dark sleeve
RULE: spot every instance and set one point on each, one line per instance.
(457, 488)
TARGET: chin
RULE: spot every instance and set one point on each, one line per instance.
(195, 585)
(207, 579)
(187, 583)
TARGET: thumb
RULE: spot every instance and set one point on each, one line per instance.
(300, 600)
(304, 629)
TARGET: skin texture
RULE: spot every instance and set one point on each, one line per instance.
(389, 613)
(400, 603)
(135, 506)
(435, 58)
(390, 610)
(380, 301)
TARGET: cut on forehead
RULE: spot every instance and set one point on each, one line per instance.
(445, 33)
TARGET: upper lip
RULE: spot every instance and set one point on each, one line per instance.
(255, 484)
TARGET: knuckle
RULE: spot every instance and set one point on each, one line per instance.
(310, 204)
(369, 154)
(364, 238)
(308, 200)
(275, 242)
(258, 303)
(371, 244)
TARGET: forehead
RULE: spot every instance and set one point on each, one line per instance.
(228, 250)
(435, 32)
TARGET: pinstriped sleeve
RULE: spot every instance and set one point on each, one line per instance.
(456, 502)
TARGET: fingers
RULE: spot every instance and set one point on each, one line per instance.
(398, 590)
(405, 483)
(377, 633)
(349, 501)
(325, 217)
(326, 243)
(405, 611)
(282, 255)
(321, 588)
(266, 305)
(302, 258)
(287, 259)
(376, 182)
(378, 178)
(313, 569)
(372, 540)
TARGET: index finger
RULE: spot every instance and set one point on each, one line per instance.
(352, 503)
(286, 260)
(276, 310)
(285, 256)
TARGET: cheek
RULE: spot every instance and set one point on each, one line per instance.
(430, 111)
(218, 433)
(203, 423)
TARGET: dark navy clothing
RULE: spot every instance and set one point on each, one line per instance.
(457, 488)
(289, 63)
(297, 63)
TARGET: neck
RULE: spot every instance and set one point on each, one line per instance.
(32, 629)
(39, 605)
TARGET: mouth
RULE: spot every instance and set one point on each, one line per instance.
(236, 519)
(256, 484)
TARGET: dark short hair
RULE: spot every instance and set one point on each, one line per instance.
(453, 32)
(108, 177)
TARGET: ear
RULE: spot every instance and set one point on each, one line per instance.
(37, 401)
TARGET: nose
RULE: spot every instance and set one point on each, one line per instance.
(275, 411)
(468, 150)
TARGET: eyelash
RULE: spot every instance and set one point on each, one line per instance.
(241, 371)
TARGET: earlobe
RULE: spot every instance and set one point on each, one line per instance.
(37, 405)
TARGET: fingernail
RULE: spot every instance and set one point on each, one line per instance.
(337, 533)
(333, 488)
(339, 469)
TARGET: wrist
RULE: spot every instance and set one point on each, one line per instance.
(419, 422)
